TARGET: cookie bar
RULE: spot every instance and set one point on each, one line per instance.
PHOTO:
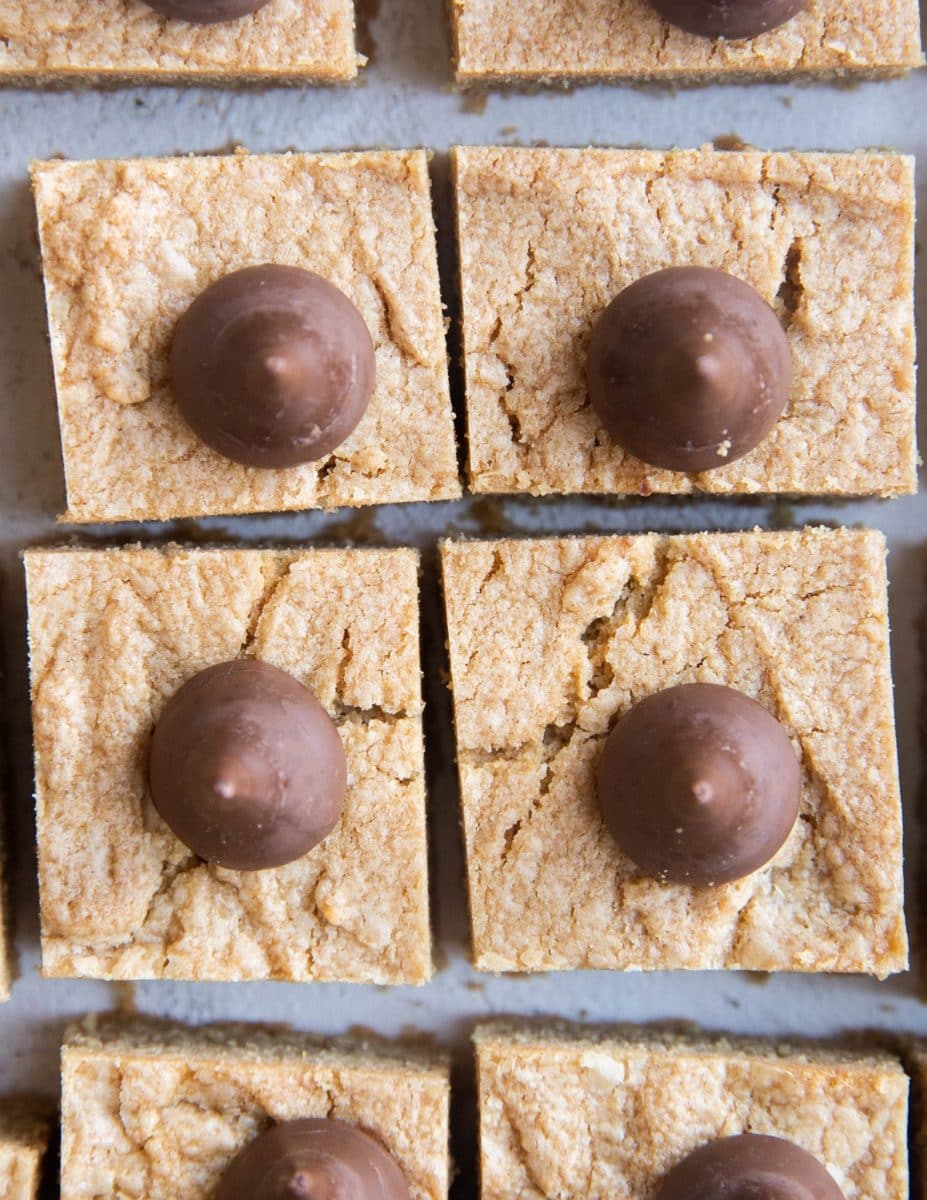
(159, 1110)
(24, 1132)
(126, 42)
(127, 245)
(581, 1113)
(113, 634)
(612, 40)
(551, 640)
(549, 236)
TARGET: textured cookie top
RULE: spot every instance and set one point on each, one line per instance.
(24, 1132)
(549, 236)
(125, 40)
(127, 245)
(113, 634)
(569, 1113)
(551, 640)
(160, 1111)
(607, 39)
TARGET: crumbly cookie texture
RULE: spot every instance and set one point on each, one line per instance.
(581, 1114)
(551, 42)
(159, 1111)
(24, 1131)
(127, 245)
(552, 640)
(112, 635)
(125, 41)
(548, 237)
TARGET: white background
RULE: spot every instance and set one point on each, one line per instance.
(406, 98)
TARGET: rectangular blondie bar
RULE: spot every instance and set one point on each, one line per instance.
(24, 1133)
(552, 640)
(112, 635)
(159, 1110)
(548, 237)
(126, 246)
(126, 42)
(610, 40)
(568, 1112)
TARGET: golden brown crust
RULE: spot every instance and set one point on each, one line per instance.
(549, 236)
(126, 42)
(126, 245)
(550, 640)
(158, 1110)
(112, 634)
(570, 1113)
(550, 41)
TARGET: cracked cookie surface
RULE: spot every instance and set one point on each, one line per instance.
(549, 236)
(158, 1111)
(127, 245)
(544, 41)
(578, 1114)
(125, 41)
(551, 640)
(113, 634)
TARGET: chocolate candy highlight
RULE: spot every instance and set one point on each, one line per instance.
(272, 366)
(246, 766)
(313, 1159)
(205, 12)
(749, 1167)
(688, 369)
(731, 19)
(699, 784)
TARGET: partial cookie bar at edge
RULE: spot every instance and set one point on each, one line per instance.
(551, 640)
(127, 245)
(540, 42)
(112, 635)
(126, 42)
(25, 1125)
(547, 238)
(159, 1110)
(567, 1111)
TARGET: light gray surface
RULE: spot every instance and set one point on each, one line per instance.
(406, 99)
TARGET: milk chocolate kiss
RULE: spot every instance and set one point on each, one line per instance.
(272, 366)
(246, 766)
(699, 784)
(313, 1160)
(688, 369)
(731, 19)
(205, 12)
(750, 1167)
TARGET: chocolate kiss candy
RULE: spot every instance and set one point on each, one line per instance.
(246, 766)
(688, 369)
(699, 784)
(749, 1167)
(730, 19)
(205, 12)
(313, 1160)
(272, 366)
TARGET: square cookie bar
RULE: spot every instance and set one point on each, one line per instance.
(112, 635)
(126, 246)
(548, 237)
(24, 1131)
(497, 43)
(583, 1114)
(159, 1110)
(552, 640)
(126, 42)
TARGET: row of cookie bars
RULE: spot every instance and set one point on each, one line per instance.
(546, 239)
(159, 1110)
(551, 641)
(312, 41)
